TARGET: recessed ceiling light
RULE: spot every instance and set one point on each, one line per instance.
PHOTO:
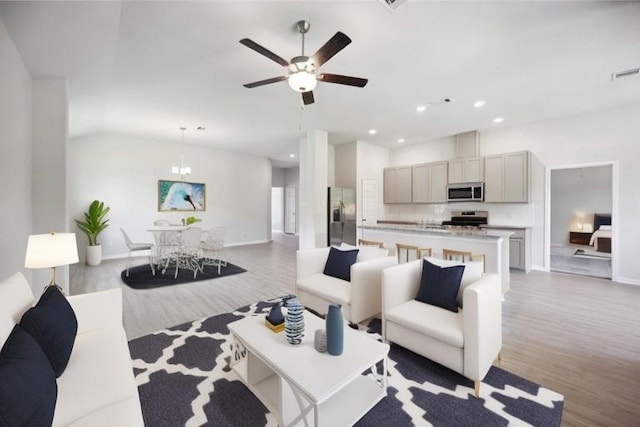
(372, 131)
(401, 141)
(479, 104)
(421, 108)
(292, 155)
(498, 120)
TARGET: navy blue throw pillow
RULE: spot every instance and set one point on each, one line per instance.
(28, 389)
(439, 285)
(53, 324)
(339, 263)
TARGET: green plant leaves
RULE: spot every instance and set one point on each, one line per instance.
(94, 222)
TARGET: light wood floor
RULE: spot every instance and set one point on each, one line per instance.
(576, 335)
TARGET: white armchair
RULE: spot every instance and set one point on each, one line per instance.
(467, 341)
(360, 299)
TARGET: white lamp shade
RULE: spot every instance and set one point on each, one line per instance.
(302, 81)
(51, 250)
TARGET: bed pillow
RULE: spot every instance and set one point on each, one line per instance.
(439, 285)
(339, 263)
(53, 325)
(28, 389)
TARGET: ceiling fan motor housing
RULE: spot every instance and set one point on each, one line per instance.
(301, 63)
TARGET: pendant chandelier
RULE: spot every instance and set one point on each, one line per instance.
(181, 170)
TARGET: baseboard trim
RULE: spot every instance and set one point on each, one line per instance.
(628, 281)
(146, 253)
(251, 242)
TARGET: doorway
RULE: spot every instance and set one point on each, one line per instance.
(290, 225)
(277, 209)
(578, 197)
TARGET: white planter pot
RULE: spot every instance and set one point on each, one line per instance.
(94, 255)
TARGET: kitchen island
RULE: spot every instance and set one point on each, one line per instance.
(494, 244)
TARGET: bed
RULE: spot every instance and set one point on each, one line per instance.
(601, 237)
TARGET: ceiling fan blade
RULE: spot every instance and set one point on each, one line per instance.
(335, 44)
(342, 80)
(307, 97)
(265, 82)
(264, 51)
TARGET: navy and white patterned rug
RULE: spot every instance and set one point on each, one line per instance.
(184, 379)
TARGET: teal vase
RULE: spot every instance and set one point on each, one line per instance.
(335, 330)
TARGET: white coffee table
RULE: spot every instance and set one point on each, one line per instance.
(301, 386)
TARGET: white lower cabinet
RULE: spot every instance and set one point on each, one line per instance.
(519, 247)
(516, 253)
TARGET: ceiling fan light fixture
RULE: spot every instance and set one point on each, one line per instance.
(302, 81)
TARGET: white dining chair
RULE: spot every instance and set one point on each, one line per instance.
(134, 247)
(186, 254)
(212, 248)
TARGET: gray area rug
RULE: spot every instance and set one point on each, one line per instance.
(582, 253)
(142, 277)
(184, 378)
(563, 259)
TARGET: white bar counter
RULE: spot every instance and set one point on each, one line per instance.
(494, 244)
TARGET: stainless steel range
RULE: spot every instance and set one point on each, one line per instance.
(467, 219)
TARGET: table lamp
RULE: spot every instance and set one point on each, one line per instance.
(51, 250)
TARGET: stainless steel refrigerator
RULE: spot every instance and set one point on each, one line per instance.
(342, 216)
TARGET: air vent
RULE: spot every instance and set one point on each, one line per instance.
(392, 5)
(625, 73)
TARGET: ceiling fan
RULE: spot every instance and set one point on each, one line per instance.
(302, 75)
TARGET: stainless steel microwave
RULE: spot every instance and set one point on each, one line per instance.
(467, 192)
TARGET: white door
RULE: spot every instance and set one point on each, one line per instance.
(290, 210)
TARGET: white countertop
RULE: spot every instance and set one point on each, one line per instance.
(439, 231)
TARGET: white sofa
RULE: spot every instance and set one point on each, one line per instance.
(467, 342)
(97, 387)
(360, 299)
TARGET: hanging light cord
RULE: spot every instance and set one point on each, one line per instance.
(182, 152)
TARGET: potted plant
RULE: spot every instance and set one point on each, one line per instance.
(93, 224)
(190, 220)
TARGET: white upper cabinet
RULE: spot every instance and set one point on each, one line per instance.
(507, 177)
(397, 185)
(470, 169)
(430, 183)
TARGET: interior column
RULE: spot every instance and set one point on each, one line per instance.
(49, 195)
(314, 179)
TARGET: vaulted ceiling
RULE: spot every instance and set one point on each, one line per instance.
(147, 68)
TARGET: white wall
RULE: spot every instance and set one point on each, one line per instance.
(607, 135)
(314, 171)
(49, 192)
(433, 151)
(371, 160)
(277, 177)
(345, 165)
(15, 158)
(124, 171)
(576, 194)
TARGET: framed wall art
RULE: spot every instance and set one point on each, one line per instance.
(181, 196)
